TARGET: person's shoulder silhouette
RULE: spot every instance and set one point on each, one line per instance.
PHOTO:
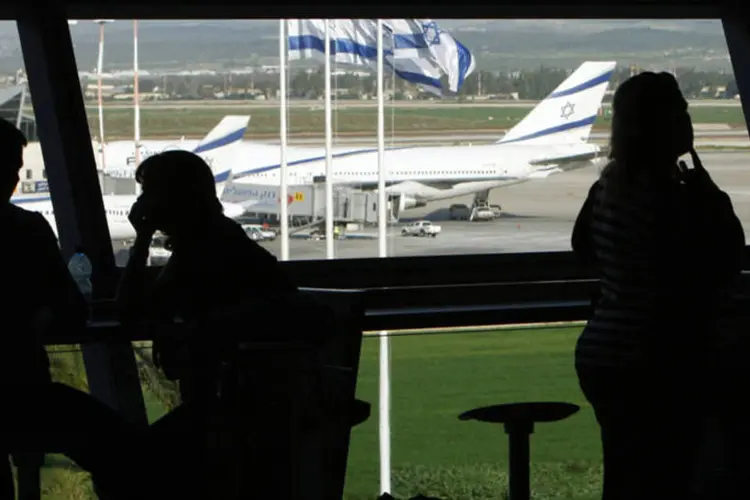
(28, 235)
(41, 295)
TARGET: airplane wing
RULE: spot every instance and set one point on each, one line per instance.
(555, 168)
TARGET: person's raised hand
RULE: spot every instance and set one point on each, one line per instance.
(141, 217)
(697, 177)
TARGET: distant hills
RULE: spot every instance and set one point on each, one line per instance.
(499, 45)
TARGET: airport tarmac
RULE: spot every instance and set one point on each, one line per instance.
(538, 216)
(346, 104)
(737, 137)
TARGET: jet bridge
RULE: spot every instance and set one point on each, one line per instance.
(306, 203)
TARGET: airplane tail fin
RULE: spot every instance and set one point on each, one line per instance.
(568, 113)
(220, 147)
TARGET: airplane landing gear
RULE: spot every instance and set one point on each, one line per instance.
(481, 199)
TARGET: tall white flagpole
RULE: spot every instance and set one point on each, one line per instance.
(329, 140)
(136, 104)
(385, 354)
(283, 191)
(382, 197)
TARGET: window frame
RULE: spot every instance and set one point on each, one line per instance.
(75, 192)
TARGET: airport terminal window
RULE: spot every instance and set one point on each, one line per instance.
(448, 158)
(442, 153)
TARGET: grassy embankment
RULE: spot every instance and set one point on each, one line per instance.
(196, 122)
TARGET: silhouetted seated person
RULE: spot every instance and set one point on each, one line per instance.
(666, 245)
(40, 416)
(217, 279)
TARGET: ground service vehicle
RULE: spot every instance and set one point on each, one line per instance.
(421, 228)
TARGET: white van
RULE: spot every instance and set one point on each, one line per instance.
(256, 232)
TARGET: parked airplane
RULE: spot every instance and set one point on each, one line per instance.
(552, 138)
(218, 148)
(121, 159)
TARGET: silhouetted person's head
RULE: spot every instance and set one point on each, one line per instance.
(651, 126)
(12, 142)
(180, 188)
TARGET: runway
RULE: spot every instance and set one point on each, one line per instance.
(538, 217)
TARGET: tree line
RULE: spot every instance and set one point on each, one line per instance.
(528, 84)
(310, 84)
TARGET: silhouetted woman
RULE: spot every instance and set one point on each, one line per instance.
(665, 244)
(213, 266)
(213, 263)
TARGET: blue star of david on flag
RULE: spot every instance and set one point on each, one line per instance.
(567, 110)
(432, 33)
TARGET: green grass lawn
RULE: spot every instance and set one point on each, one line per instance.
(434, 378)
(264, 122)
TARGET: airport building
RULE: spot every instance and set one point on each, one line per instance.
(15, 105)
(13, 101)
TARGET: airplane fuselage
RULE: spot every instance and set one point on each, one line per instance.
(427, 173)
(116, 209)
(120, 158)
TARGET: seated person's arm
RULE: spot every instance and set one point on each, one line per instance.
(134, 289)
(268, 306)
(143, 298)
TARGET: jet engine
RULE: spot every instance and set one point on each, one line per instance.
(406, 202)
(397, 203)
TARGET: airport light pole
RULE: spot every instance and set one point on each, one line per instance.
(100, 103)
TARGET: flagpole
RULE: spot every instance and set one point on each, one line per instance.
(136, 104)
(382, 198)
(283, 191)
(384, 401)
(329, 140)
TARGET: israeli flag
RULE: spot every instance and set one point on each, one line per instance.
(423, 39)
(355, 42)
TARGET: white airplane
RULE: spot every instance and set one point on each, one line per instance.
(121, 159)
(218, 148)
(552, 138)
